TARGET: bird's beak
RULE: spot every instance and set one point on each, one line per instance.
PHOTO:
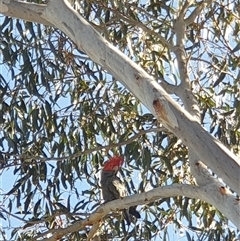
(116, 168)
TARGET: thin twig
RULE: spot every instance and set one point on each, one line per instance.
(75, 155)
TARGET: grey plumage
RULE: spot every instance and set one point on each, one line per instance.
(113, 188)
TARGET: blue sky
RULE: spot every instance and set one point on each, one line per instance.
(8, 180)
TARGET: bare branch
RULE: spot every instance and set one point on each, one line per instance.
(200, 6)
(144, 28)
(140, 199)
(212, 65)
(93, 232)
(23, 10)
(3, 210)
(28, 159)
(147, 90)
(184, 91)
(185, 7)
(216, 188)
(171, 89)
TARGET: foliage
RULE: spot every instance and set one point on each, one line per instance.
(62, 115)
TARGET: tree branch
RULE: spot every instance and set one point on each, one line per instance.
(28, 159)
(196, 12)
(22, 10)
(185, 7)
(171, 89)
(93, 232)
(140, 199)
(224, 163)
(184, 91)
(216, 189)
(147, 90)
(163, 41)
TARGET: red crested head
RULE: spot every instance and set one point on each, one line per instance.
(113, 164)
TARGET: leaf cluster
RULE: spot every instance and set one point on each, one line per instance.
(62, 116)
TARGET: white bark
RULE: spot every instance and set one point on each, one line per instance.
(27, 11)
(143, 198)
(205, 148)
(220, 195)
(224, 163)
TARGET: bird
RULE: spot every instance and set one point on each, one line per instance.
(113, 188)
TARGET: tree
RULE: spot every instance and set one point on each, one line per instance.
(134, 79)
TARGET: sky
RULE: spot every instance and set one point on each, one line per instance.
(7, 180)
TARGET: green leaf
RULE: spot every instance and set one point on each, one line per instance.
(27, 202)
(36, 208)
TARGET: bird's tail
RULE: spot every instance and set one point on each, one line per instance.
(134, 212)
(126, 216)
(131, 211)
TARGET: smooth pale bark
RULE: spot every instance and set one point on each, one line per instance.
(222, 161)
(27, 11)
(207, 149)
(143, 198)
(216, 191)
(60, 14)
